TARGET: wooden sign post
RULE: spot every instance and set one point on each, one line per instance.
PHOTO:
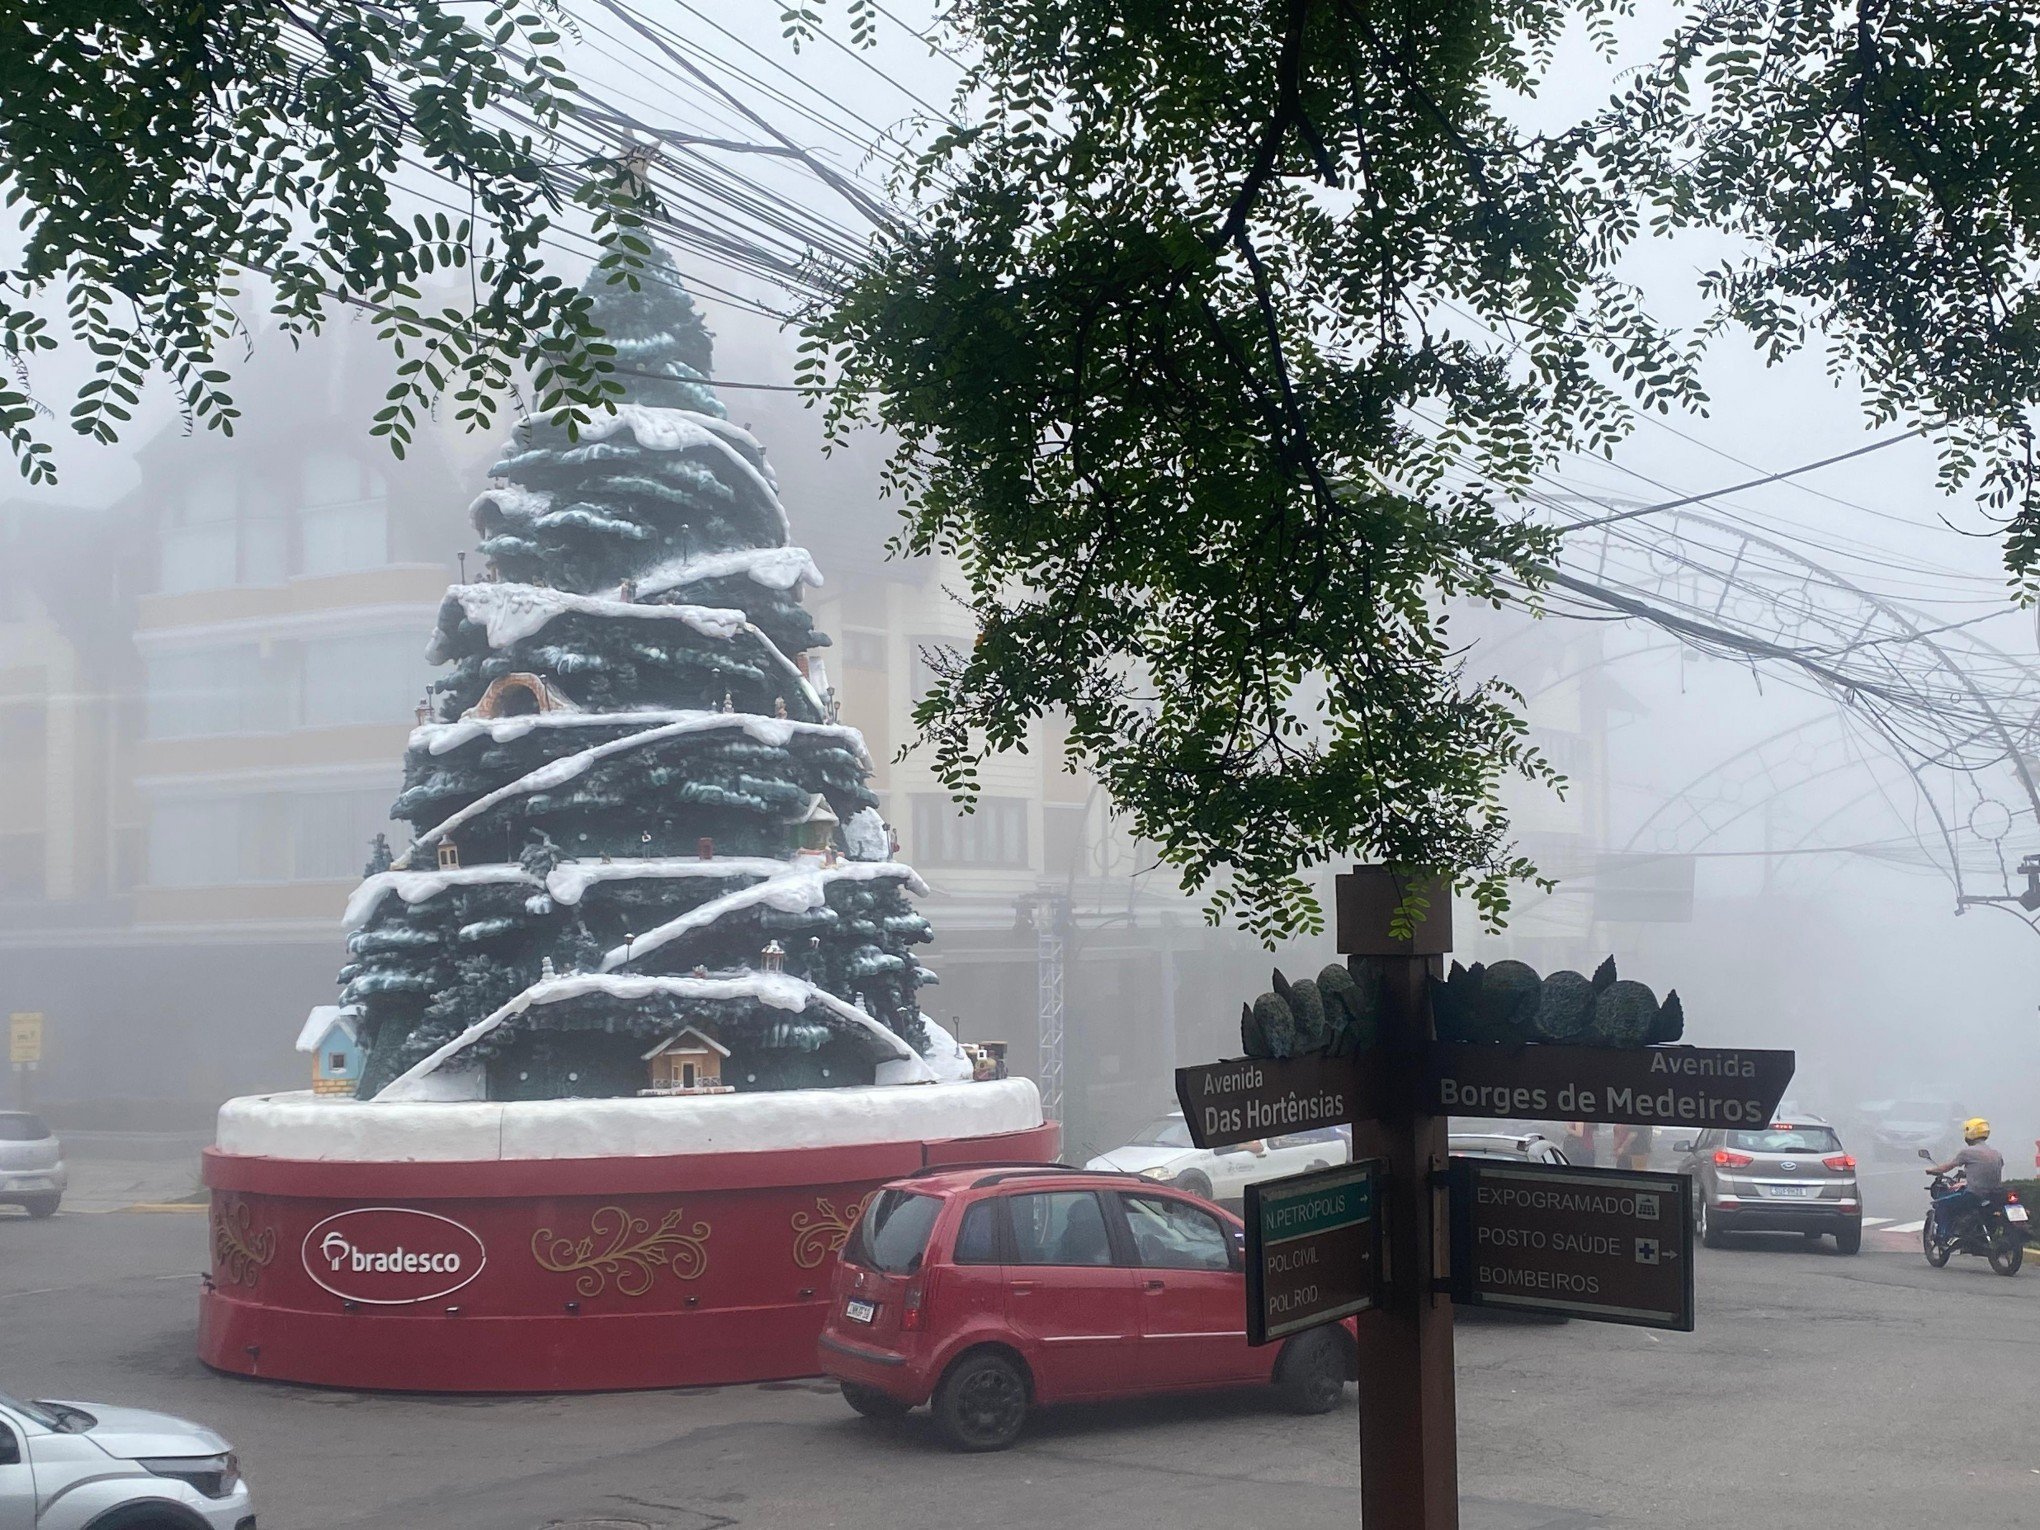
(1409, 1447)
(1608, 1246)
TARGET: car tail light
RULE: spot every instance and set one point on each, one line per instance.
(1732, 1160)
(910, 1309)
(2011, 1197)
(1839, 1162)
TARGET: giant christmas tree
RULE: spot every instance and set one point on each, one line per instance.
(634, 809)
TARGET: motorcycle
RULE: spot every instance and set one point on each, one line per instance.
(1995, 1231)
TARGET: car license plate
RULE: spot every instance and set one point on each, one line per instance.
(860, 1312)
(1791, 1192)
(2015, 1213)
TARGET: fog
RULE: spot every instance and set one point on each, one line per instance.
(1815, 920)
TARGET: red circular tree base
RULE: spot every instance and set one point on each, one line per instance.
(542, 1275)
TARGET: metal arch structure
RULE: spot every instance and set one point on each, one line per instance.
(1959, 715)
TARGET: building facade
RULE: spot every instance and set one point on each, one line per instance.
(256, 657)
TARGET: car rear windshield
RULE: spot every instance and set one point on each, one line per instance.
(893, 1234)
(1921, 1110)
(1787, 1139)
(16, 1127)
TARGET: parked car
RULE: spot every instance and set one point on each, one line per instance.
(79, 1466)
(1790, 1176)
(1517, 1147)
(1162, 1150)
(988, 1292)
(1514, 1144)
(1900, 1128)
(32, 1173)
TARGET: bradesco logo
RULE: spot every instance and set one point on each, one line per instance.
(389, 1256)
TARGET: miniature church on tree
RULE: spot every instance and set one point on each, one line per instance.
(644, 850)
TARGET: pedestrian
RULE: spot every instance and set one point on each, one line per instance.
(1579, 1142)
(1632, 1146)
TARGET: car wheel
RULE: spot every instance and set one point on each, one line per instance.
(1707, 1225)
(41, 1205)
(873, 1403)
(1194, 1182)
(1850, 1239)
(982, 1402)
(139, 1517)
(1311, 1375)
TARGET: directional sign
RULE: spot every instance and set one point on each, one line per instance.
(24, 1037)
(1602, 1244)
(1313, 1249)
(1231, 1102)
(1646, 1086)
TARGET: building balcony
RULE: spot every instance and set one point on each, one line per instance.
(294, 600)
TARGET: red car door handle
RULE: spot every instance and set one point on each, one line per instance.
(1157, 1285)
(1023, 1288)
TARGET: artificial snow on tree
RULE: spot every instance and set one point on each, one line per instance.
(633, 813)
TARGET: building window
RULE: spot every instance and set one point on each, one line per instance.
(194, 692)
(372, 679)
(336, 1062)
(265, 548)
(220, 533)
(994, 835)
(863, 648)
(1065, 848)
(928, 653)
(344, 521)
(200, 547)
(265, 837)
(195, 842)
(338, 539)
(330, 833)
(21, 866)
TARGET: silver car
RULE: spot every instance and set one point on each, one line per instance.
(80, 1466)
(1790, 1176)
(1517, 1147)
(32, 1173)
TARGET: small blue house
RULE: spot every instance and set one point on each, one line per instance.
(330, 1036)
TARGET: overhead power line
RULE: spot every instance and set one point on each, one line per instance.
(1753, 483)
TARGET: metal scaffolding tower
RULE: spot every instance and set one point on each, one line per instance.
(1049, 912)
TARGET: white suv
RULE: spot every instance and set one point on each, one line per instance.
(81, 1466)
(1162, 1150)
(32, 1173)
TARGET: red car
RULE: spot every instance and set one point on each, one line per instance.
(992, 1290)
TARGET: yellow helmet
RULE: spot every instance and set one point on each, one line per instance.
(1975, 1129)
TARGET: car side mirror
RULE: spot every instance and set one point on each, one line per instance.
(1236, 1249)
(10, 1448)
(1926, 1155)
(1682, 1147)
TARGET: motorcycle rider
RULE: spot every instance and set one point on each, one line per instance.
(1983, 1175)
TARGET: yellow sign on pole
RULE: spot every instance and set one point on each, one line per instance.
(24, 1037)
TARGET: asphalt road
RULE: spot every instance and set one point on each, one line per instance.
(1818, 1390)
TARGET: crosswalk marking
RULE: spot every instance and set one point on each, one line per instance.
(1909, 1227)
(1877, 1221)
